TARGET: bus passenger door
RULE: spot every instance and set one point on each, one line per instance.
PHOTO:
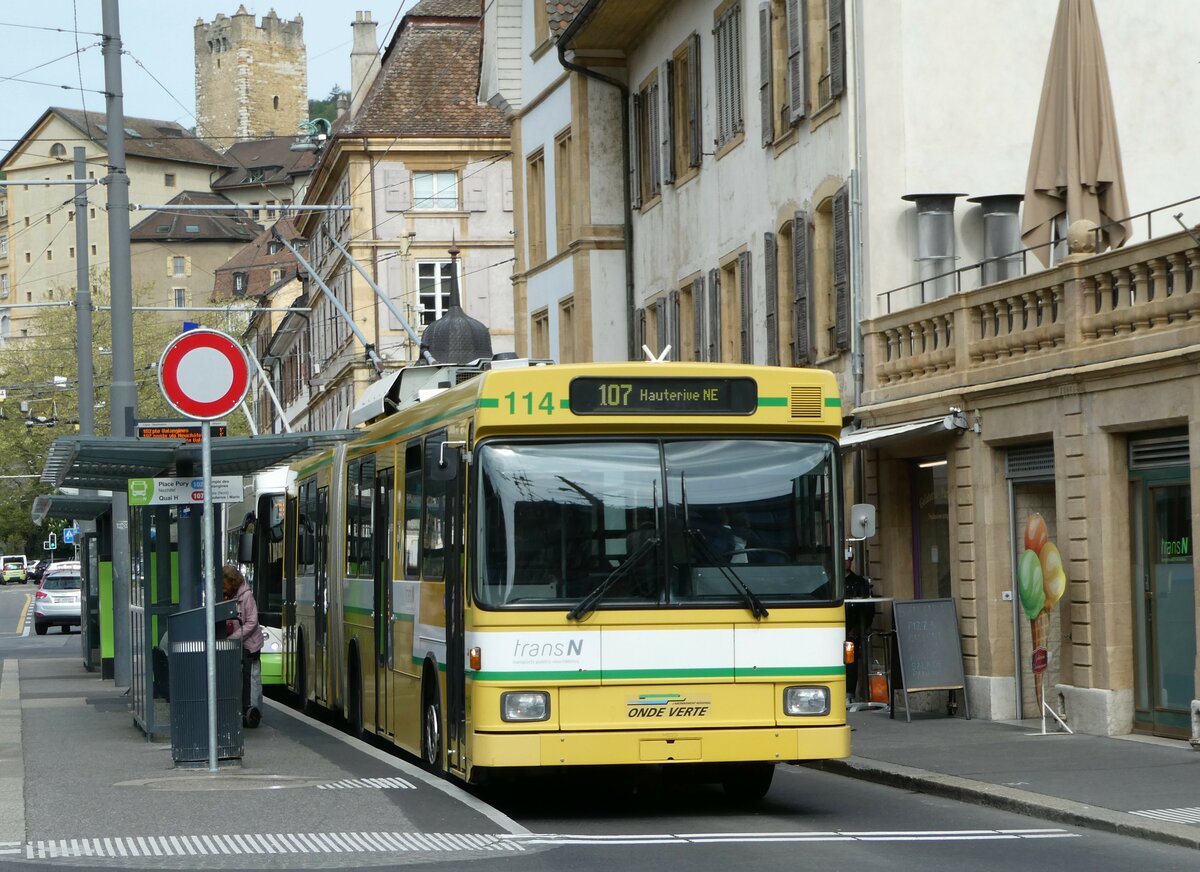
(288, 608)
(320, 678)
(383, 536)
(456, 715)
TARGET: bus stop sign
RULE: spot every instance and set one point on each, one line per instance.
(203, 374)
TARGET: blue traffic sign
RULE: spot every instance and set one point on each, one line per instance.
(69, 534)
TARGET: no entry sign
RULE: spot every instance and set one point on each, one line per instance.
(203, 374)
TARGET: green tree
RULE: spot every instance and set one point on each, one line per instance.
(40, 377)
(327, 108)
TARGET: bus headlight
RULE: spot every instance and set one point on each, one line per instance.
(806, 701)
(525, 705)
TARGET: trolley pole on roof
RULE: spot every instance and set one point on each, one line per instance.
(123, 405)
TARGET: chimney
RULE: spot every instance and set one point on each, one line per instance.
(364, 59)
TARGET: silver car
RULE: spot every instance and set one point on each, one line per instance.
(57, 600)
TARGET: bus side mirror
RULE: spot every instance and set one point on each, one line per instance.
(862, 522)
(449, 459)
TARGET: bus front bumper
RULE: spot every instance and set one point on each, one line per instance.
(771, 744)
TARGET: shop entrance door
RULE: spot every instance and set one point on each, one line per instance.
(1164, 599)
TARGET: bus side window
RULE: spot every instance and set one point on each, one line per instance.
(411, 530)
(433, 549)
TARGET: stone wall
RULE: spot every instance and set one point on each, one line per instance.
(251, 80)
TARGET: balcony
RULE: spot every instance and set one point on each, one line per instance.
(1122, 305)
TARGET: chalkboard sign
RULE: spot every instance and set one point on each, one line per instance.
(929, 646)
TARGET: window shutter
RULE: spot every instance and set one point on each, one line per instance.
(771, 288)
(695, 101)
(797, 69)
(764, 74)
(653, 137)
(841, 266)
(699, 348)
(660, 325)
(837, 47)
(746, 300)
(639, 331)
(476, 197)
(398, 197)
(506, 181)
(714, 315)
(735, 60)
(673, 324)
(635, 155)
(801, 293)
(721, 42)
(667, 78)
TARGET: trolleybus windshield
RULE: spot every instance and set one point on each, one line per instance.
(729, 522)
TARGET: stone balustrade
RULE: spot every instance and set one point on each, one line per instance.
(1143, 299)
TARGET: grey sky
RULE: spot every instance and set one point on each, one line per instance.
(158, 33)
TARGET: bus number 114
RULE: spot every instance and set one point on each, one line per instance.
(546, 404)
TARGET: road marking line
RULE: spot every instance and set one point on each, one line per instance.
(23, 620)
(1174, 815)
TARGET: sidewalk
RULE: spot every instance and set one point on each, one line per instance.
(1143, 787)
(78, 781)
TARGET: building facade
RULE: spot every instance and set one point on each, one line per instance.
(423, 167)
(251, 79)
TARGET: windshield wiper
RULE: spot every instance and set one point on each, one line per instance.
(588, 604)
(727, 572)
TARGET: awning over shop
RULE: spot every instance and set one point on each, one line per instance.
(955, 421)
(79, 507)
(107, 462)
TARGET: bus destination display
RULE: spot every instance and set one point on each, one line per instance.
(663, 396)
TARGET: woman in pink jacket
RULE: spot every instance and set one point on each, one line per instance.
(245, 627)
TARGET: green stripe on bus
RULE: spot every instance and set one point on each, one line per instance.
(834, 402)
(357, 610)
(772, 401)
(564, 404)
(489, 403)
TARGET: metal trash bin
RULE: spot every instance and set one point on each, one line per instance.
(188, 680)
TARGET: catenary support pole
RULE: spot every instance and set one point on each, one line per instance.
(123, 394)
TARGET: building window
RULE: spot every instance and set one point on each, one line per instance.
(180, 296)
(539, 334)
(93, 249)
(255, 212)
(273, 247)
(564, 166)
(727, 38)
(646, 138)
(435, 190)
(433, 288)
(825, 54)
(688, 110)
(71, 252)
(49, 254)
(28, 257)
(736, 312)
(58, 150)
(169, 180)
(239, 283)
(535, 185)
(781, 67)
(566, 331)
(91, 213)
(178, 266)
(4, 246)
(276, 275)
(4, 285)
(270, 209)
(831, 275)
(275, 102)
(191, 228)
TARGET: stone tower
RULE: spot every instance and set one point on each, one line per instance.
(251, 80)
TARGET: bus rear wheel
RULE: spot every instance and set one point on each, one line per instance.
(748, 782)
(431, 731)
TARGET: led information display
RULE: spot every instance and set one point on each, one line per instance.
(187, 430)
(663, 396)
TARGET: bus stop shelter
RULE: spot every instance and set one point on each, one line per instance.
(164, 564)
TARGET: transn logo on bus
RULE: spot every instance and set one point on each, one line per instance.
(666, 705)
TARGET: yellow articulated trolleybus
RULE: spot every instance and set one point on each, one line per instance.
(528, 566)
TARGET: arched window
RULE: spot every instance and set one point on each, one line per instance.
(275, 100)
(58, 150)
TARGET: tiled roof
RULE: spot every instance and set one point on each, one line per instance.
(267, 161)
(429, 80)
(445, 9)
(257, 260)
(145, 137)
(561, 14)
(167, 226)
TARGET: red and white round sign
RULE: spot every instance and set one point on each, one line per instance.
(203, 374)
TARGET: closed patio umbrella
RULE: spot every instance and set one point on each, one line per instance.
(1075, 165)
